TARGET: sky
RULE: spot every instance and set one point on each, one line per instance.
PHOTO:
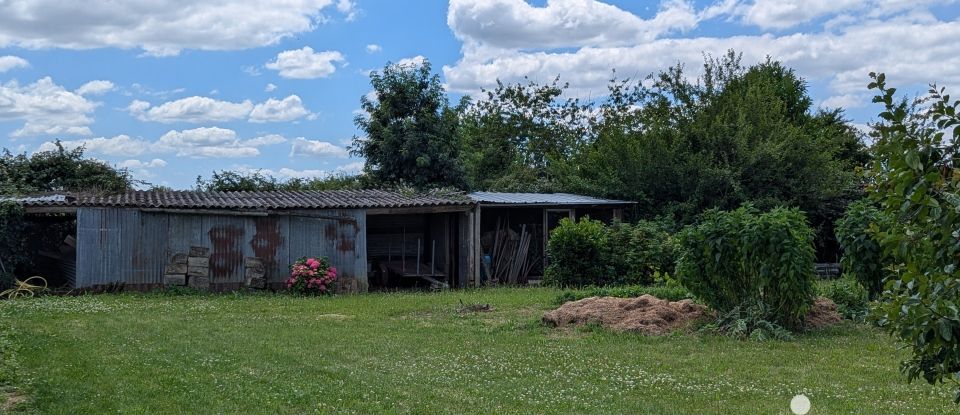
(173, 89)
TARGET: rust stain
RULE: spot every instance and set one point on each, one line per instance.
(267, 240)
(330, 231)
(346, 244)
(227, 254)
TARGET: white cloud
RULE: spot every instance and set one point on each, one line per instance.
(912, 46)
(373, 48)
(137, 164)
(270, 88)
(121, 145)
(265, 140)
(193, 109)
(304, 63)
(303, 147)
(10, 62)
(46, 109)
(288, 109)
(197, 142)
(205, 142)
(349, 9)
(351, 168)
(561, 23)
(198, 109)
(159, 27)
(413, 61)
(98, 87)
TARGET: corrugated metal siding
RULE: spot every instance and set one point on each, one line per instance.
(130, 246)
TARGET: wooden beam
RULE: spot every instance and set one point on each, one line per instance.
(417, 209)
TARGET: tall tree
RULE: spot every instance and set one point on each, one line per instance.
(520, 136)
(737, 134)
(410, 127)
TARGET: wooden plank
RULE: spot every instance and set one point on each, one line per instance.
(198, 261)
(178, 258)
(198, 271)
(199, 251)
(180, 269)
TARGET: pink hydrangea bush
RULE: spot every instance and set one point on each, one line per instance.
(312, 276)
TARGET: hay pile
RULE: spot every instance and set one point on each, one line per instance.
(822, 314)
(645, 314)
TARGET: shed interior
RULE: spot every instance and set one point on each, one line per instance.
(416, 250)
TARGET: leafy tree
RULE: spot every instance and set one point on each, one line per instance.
(59, 170)
(862, 255)
(916, 181)
(738, 134)
(410, 127)
(517, 138)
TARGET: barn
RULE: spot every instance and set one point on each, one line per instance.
(377, 239)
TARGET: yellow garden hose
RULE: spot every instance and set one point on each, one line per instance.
(26, 288)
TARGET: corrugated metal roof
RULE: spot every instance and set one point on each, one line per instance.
(541, 199)
(329, 199)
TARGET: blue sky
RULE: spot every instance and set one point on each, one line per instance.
(173, 89)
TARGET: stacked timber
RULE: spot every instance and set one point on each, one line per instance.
(175, 272)
(255, 272)
(198, 267)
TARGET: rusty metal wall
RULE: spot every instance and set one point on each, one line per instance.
(131, 246)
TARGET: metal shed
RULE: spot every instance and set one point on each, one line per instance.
(132, 237)
(512, 230)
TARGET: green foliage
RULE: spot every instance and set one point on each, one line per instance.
(519, 136)
(738, 257)
(257, 181)
(663, 291)
(636, 252)
(410, 129)
(752, 320)
(848, 294)
(577, 254)
(735, 135)
(59, 170)
(14, 252)
(916, 182)
(862, 255)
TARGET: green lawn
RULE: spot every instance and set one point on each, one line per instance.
(414, 353)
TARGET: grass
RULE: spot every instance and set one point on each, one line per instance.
(414, 353)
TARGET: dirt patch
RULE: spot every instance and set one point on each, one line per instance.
(822, 314)
(645, 314)
(11, 401)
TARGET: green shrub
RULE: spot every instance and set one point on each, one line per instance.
(13, 250)
(862, 255)
(752, 320)
(745, 257)
(638, 251)
(849, 295)
(577, 254)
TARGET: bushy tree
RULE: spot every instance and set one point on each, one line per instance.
(577, 254)
(744, 257)
(916, 182)
(59, 170)
(738, 134)
(519, 137)
(638, 251)
(862, 256)
(410, 129)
